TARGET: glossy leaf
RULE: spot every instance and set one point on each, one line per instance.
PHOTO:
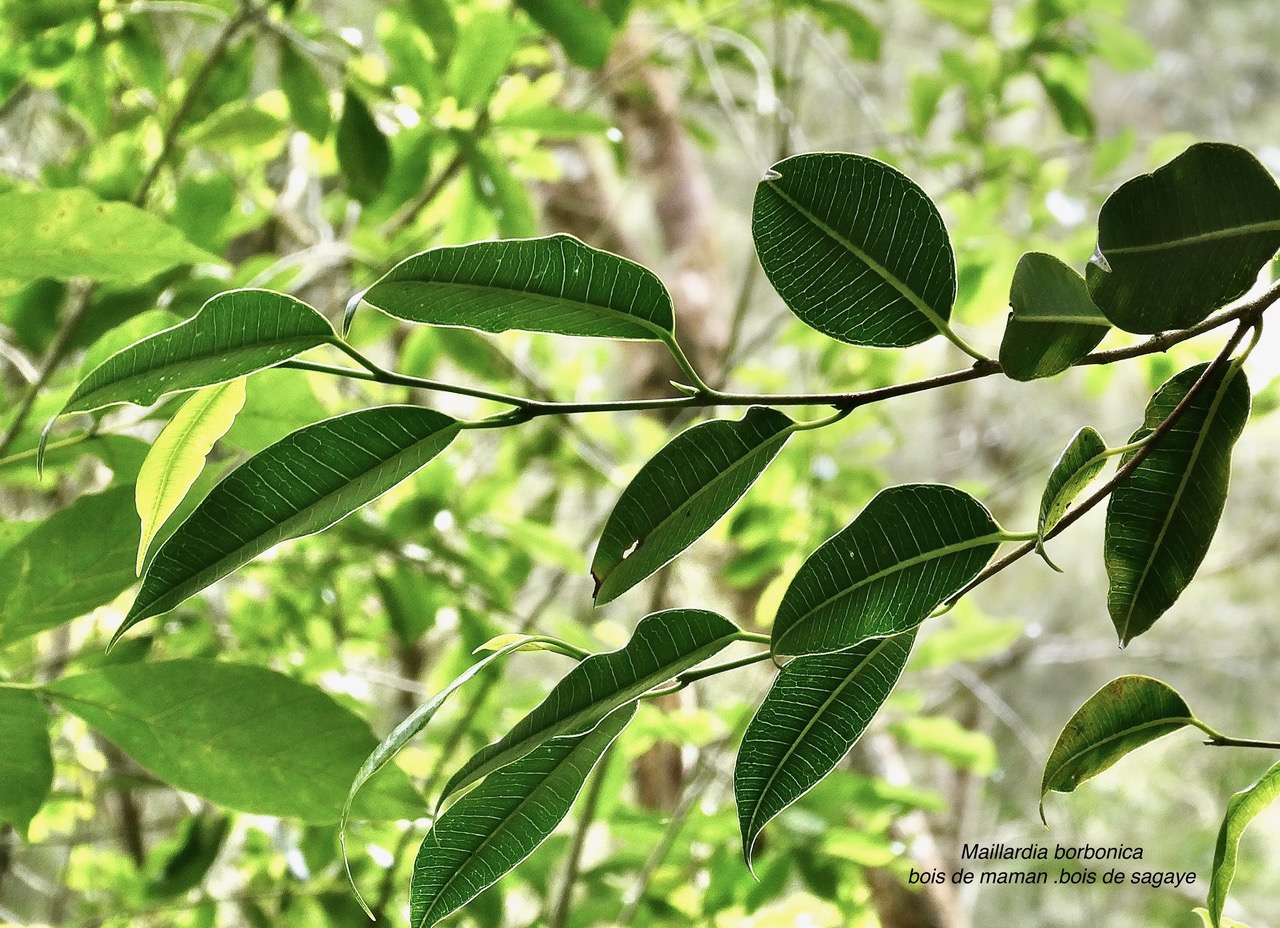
(816, 710)
(1054, 322)
(855, 248)
(78, 559)
(235, 333)
(242, 736)
(492, 829)
(1190, 237)
(1162, 517)
(71, 233)
(906, 552)
(301, 485)
(364, 154)
(664, 644)
(583, 31)
(26, 764)
(1081, 461)
(680, 493)
(178, 454)
(1242, 809)
(1121, 717)
(554, 284)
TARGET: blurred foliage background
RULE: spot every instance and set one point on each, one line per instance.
(311, 144)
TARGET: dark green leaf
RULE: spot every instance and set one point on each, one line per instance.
(1065, 79)
(186, 864)
(305, 91)
(817, 709)
(244, 737)
(664, 645)
(681, 493)
(301, 485)
(26, 765)
(911, 548)
(234, 334)
(1054, 322)
(435, 18)
(1081, 461)
(555, 284)
(1186, 239)
(584, 32)
(364, 154)
(1121, 717)
(491, 830)
(1161, 518)
(856, 249)
(1242, 808)
(79, 558)
(864, 37)
(71, 233)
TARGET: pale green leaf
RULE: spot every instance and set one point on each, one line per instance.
(178, 454)
(1081, 461)
(1242, 808)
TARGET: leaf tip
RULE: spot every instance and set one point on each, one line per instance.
(44, 440)
(349, 313)
(770, 175)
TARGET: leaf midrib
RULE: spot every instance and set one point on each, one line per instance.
(924, 557)
(813, 720)
(1210, 416)
(1131, 730)
(1252, 228)
(660, 333)
(907, 293)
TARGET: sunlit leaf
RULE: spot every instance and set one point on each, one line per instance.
(1121, 717)
(906, 552)
(855, 248)
(817, 709)
(554, 284)
(71, 233)
(177, 456)
(1242, 808)
(497, 825)
(584, 32)
(26, 764)
(680, 493)
(242, 736)
(1054, 322)
(1162, 517)
(1190, 237)
(664, 645)
(235, 333)
(302, 484)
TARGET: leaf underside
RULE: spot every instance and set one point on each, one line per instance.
(1080, 462)
(1242, 808)
(855, 248)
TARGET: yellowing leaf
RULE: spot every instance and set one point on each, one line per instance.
(178, 454)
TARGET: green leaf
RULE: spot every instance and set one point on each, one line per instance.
(947, 738)
(235, 333)
(1242, 808)
(1081, 461)
(94, 539)
(305, 91)
(244, 737)
(681, 493)
(864, 37)
(1162, 517)
(435, 19)
(856, 249)
(664, 645)
(816, 710)
(481, 55)
(188, 857)
(1054, 322)
(178, 454)
(1121, 717)
(301, 485)
(1222, 922)
(364, 154)
(26, 764)
(391, 745)
(553, 122)
(71, 233)
(585, 33)
(1190, 237)
(970, 15)
(555, 284)
(906, 552)
(491, 830)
